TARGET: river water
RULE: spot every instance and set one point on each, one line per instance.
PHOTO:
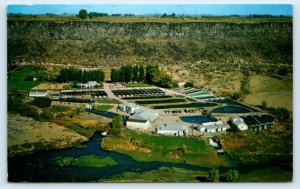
(37, 167)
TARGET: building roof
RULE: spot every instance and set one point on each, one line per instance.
(171, 127)
(144, 114)
(88, 84)
(38, 94)
(212, 125)
(238, 121)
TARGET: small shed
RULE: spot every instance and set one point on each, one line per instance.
(34, 94)
(239, 122)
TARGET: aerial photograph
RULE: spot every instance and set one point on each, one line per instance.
(150, 93)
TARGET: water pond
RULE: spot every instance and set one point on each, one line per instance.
(197, 119)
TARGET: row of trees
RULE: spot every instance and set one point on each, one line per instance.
(153, 75)
(78, 75)
(128, 74)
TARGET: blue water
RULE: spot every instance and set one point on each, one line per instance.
(197, 119)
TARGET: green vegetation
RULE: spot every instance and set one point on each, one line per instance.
(137, 85)
(107, 101)
(102, 107)
(128, 74)
(116, 126)
(189, 84)
(22, 78)
(84, 161)
(78, 75)
(16, 104)
(264, 104)
(59, 109)
(213, 175)
(80, 130)
(263, 148)
(144, 147)
(83, 14)
(156, 76)
(164, 101)
(267, 175)
(77, 100)
(162, 174)
(42, 102)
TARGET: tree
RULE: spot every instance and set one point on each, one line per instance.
(114, 76)
(232, 175)
(135, 72)
(141, 76)
(189, 84)
(83, 14)
(42, 102)
(213, 175)
(263, 104)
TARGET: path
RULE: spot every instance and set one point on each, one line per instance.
(110, 94)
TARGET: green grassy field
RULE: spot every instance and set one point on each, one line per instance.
(17, 79)
(276, 92)
(137, 85)
(147, 148)
(102, 107)
(84, 161)
(107, 101)
(162, 174)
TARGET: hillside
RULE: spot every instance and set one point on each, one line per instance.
(195, 46)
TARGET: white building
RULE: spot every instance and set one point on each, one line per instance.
(211, 127)
(172, 129)
(239, 122)
(89, 84)
(34, 94)
(142, 119)
(181, 83)
(129, 108)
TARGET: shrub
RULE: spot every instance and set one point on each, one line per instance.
(46, 115)
(42, 102)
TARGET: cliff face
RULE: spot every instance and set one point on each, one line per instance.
(202, 46)
(96, 30)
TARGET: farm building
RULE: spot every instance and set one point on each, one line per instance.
(142, 119)
(258, 122)
(239, 122)
(172, 129)
(129, 108)
(180, 83)
(89, 84)
(34, 94)
(211, 127)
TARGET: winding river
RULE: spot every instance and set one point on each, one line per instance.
(37, 167)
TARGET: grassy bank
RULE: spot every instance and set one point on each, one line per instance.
(163, 174)
(147, 148)
(84, 161)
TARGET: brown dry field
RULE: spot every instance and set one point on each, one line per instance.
(49, 86)
(21, 130)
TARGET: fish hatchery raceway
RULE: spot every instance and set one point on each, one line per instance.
(194, 47)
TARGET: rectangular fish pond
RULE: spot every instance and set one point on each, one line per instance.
(198, 119)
